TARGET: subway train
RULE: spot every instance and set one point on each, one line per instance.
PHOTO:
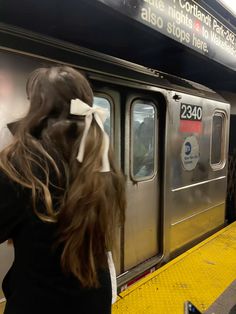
(170, 137)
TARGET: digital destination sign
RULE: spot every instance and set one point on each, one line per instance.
(186, 22)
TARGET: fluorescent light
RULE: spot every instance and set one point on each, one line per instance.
(230, 5)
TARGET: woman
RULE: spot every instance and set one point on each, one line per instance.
(61, 198)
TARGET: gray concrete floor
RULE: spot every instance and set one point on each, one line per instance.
(225, 302)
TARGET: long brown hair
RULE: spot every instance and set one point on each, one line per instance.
(92, 203)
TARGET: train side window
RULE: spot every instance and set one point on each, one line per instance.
(104, 103)
(218, 140)
(143, 140)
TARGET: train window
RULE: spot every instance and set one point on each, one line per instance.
(143, 140)
(104, 103)
(218, 140)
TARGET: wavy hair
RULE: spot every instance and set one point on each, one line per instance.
(89, 204)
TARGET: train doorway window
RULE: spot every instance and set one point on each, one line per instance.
(218, 140)
(104, 103)
(143, 143)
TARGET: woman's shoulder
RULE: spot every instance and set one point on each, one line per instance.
(12, 206)
(10, 188)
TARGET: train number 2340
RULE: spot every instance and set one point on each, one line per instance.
(190, 112)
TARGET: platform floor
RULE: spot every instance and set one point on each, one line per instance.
(2, 305)
(200, 275)
(225, 303)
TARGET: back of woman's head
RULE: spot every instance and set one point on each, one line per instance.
(91, 202)
(50, 91)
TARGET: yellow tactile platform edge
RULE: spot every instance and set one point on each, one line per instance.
(199, 275)
(2, 305)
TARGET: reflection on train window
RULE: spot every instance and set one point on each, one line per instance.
(217, 141)
(102, 102)
(143, 139)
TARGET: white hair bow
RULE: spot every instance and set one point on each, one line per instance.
(78, 107)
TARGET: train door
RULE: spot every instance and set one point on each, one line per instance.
(141, 231)
(133, 126)
(107, 98)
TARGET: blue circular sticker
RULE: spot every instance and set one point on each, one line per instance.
(190, 153)
(188, 148)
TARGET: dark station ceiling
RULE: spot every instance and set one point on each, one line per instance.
(91, 24)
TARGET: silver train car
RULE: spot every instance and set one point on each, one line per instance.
(170, 137)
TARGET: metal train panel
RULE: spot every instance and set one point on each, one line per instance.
(196, 180)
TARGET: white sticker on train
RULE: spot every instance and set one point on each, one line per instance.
(190, 153)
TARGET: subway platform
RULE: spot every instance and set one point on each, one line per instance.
(201, 275)
(2, 305)
(204, 275)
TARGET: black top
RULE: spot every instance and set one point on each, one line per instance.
(35, 283)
